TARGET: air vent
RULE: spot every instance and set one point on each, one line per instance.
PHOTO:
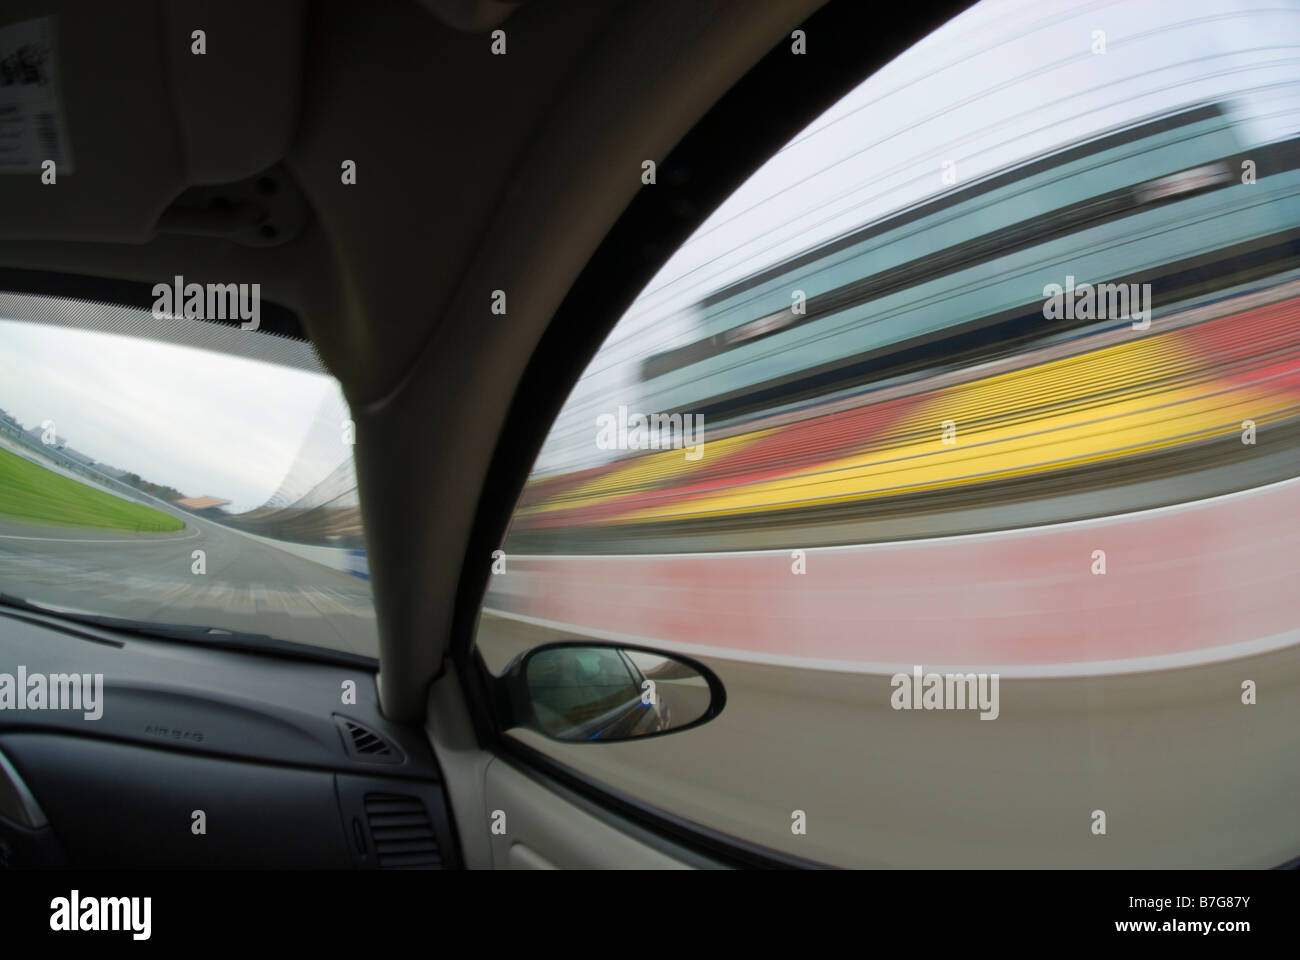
(367, 743)
(362, 743)
(402, 832)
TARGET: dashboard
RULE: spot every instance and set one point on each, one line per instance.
(135, 753)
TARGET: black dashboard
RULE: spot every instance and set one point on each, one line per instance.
(200, 758)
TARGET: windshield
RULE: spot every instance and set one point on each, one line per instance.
(146, 478)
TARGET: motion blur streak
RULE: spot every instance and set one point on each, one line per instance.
(1105, 401)
(1195, 582)
(927, 465)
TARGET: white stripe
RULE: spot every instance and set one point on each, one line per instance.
(11, 536)
(1170, 661)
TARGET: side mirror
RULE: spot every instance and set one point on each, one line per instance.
(578, 691)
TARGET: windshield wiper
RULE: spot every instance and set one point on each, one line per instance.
(216, 637)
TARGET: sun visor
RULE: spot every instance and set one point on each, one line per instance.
(237, 103)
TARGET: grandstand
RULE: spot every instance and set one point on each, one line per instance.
(316, 502)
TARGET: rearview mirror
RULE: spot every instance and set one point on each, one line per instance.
(603, 692)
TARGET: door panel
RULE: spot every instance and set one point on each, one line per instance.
(544, 830)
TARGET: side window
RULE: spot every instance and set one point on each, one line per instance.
(953, 443)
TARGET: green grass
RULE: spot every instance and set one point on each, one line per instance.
(34, 494)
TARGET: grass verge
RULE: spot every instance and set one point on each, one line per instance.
(34, 494)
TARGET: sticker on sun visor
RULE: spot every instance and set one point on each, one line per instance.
(32, 128)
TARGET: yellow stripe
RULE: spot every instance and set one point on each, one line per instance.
(655, 471)
(1134, 397)
(1079, 437)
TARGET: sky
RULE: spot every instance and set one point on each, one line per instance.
(999, 83)
(203, 422)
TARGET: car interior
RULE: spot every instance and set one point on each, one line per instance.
(447, 206)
